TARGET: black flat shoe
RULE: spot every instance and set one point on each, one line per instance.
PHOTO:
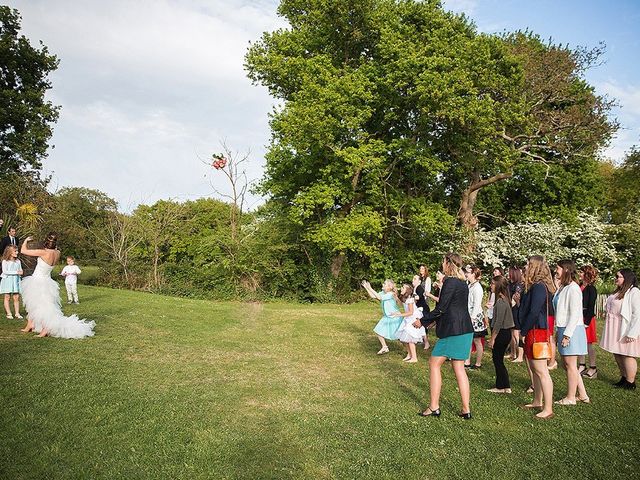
(629, 385)
(432, 413)
(475, 367)
(620, 382)
(466, 416)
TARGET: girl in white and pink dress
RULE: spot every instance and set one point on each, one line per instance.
(407, 333)
(621, 334)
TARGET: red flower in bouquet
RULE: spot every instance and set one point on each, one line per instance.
(219, 162)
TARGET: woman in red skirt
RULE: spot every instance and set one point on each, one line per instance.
(534, 310)
(588, 277)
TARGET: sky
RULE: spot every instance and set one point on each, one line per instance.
(150, 88)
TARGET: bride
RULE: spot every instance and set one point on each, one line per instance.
(41, 296)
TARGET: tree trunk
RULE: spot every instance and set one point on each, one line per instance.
(336, 264)
(466, 216)
(468, 201)
(467, 219)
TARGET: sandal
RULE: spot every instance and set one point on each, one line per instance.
(10, 317)
(530, 389)
(499, 390)
(593, 374)
(583, 400)
(432, 413)
(18, 316)
(383, 350)
(565, 401)
(531, 406)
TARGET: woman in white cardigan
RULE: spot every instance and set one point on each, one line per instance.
(480, 324)
(621, 334)
(570, 330)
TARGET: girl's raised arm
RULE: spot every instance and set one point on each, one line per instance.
(372, 293)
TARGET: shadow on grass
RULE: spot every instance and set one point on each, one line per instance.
(399, 373)
(265, 450)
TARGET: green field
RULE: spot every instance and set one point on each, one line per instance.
(175, 388)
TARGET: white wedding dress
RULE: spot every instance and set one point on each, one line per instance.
(41, 298)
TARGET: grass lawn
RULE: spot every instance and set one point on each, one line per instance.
(176, 388)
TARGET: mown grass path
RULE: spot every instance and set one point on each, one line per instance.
(177, 388)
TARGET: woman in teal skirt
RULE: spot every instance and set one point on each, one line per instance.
(455, 334)
(388, 326)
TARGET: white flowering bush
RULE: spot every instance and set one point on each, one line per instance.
(589, 240)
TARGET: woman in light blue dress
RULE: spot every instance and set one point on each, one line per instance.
(387, 327)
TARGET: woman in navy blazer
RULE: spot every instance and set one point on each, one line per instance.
(534, 308)
(455, 334)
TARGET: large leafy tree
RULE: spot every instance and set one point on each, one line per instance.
(26, 117)
(623, 196)
(394, 115)
(548, 147)
(76, 213)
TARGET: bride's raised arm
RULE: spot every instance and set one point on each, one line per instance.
(32, 252)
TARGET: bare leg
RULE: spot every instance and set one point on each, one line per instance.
(383, 343)
(530, 372)
(591, 350)
(514, 344)
(543, 379)
(413, 358)
(463, 384)
(408, 357)
(435, 381)
(28, 327)
(537, 386)
(630, 367)
(574, 379)
(16, 304)
(479, 351)
(43, 333)
(425, 339)
(6, 304)
(552, 363)
(621, 366)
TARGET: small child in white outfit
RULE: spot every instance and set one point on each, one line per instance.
(70, 274)
(407, 333)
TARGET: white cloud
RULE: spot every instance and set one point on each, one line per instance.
(627, 95)
(467, 7)
(628, 113)
(148, 89)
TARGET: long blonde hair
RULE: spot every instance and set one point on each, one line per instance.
(8, 253)
(538, 271)
(453, 266)
(394, 289)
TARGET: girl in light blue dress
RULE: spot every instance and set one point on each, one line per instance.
(10, 282)
(387, 327)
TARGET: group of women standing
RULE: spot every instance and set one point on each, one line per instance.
(525, 307)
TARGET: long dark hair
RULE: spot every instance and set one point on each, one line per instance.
(568, 271)
(453, 265)
(515, 274)
(50, 241)
(501, 287)
(630, 281)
